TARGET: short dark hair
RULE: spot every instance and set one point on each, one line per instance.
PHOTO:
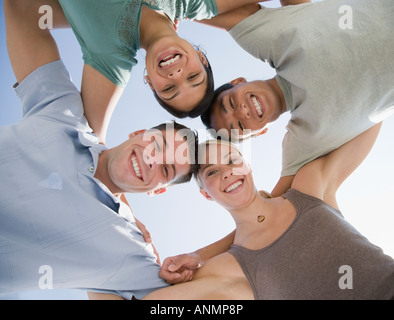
(191, 137)
(201, 106)
(206, 115)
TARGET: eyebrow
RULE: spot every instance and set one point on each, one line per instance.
(172, 164)
(206, 167)
(177, 93)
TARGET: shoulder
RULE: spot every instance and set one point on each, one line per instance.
(49, 90)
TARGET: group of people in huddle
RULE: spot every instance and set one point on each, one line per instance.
(62, 191)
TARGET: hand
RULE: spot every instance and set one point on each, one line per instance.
(147, 237)
(180, 268)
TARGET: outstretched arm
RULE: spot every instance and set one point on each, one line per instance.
(228, 5)
(182, 267)
(228, 18)
(322, 177)
(29, 46)
(282, 186)
(100, 97)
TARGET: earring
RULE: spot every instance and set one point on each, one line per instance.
(144, 76)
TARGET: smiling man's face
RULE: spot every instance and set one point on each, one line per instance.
(247, 105)
(148, 160)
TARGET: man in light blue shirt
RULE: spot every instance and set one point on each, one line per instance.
(62, 223)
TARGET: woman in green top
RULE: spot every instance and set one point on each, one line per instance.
(111, 31)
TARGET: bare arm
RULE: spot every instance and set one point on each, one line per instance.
(322, 177)
(227, 19)
(29, 46)
(100, 97)
(293, 2)
(182, 267)
(220, 278)
(103, 296)
(229, 5)
(282, 186)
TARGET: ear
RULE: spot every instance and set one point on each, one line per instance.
(238, 81)
(205, 194)
(147, 79)
(262, 132)
(156, 192)
(203, 59)
(136, 133)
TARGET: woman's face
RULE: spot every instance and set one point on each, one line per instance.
(225, 176)
(175, 71)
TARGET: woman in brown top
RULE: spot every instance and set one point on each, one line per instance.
(297, 246)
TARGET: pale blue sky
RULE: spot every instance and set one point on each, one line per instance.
(181, 220)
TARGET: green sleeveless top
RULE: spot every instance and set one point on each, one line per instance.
(108, 30)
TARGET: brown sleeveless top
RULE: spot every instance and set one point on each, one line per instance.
(320, 256)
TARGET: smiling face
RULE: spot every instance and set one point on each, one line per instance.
(247, 105)
(224, 176)
(148, 161)
(176, 72)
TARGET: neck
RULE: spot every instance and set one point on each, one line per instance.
(246, 218)
(154, 25)
(102, 173)
(279, 93)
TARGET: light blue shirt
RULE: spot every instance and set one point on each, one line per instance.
(54, 214)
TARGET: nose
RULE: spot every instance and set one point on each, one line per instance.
(151, 161)
(242, 112)
(175, 74)
(227, 173)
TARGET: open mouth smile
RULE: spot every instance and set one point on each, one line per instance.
(169, 60)
(234, 186)
(258, 107)
(136, 167)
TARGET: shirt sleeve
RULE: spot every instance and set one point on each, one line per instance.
(49, 91)
(201, 9)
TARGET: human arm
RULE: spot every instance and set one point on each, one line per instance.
(282, 186)
(145, 233)
(30, 47)
(220, 278)
(103, 296)
(182, 267)
(228, 18)
(228, 5)
(100, 97)
(322, 177)
(293, 2)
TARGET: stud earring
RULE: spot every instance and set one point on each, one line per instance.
(144, 76)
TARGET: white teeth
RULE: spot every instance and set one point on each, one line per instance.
(165, 63)
(135, 166)
(233, 186)
(257, 105)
